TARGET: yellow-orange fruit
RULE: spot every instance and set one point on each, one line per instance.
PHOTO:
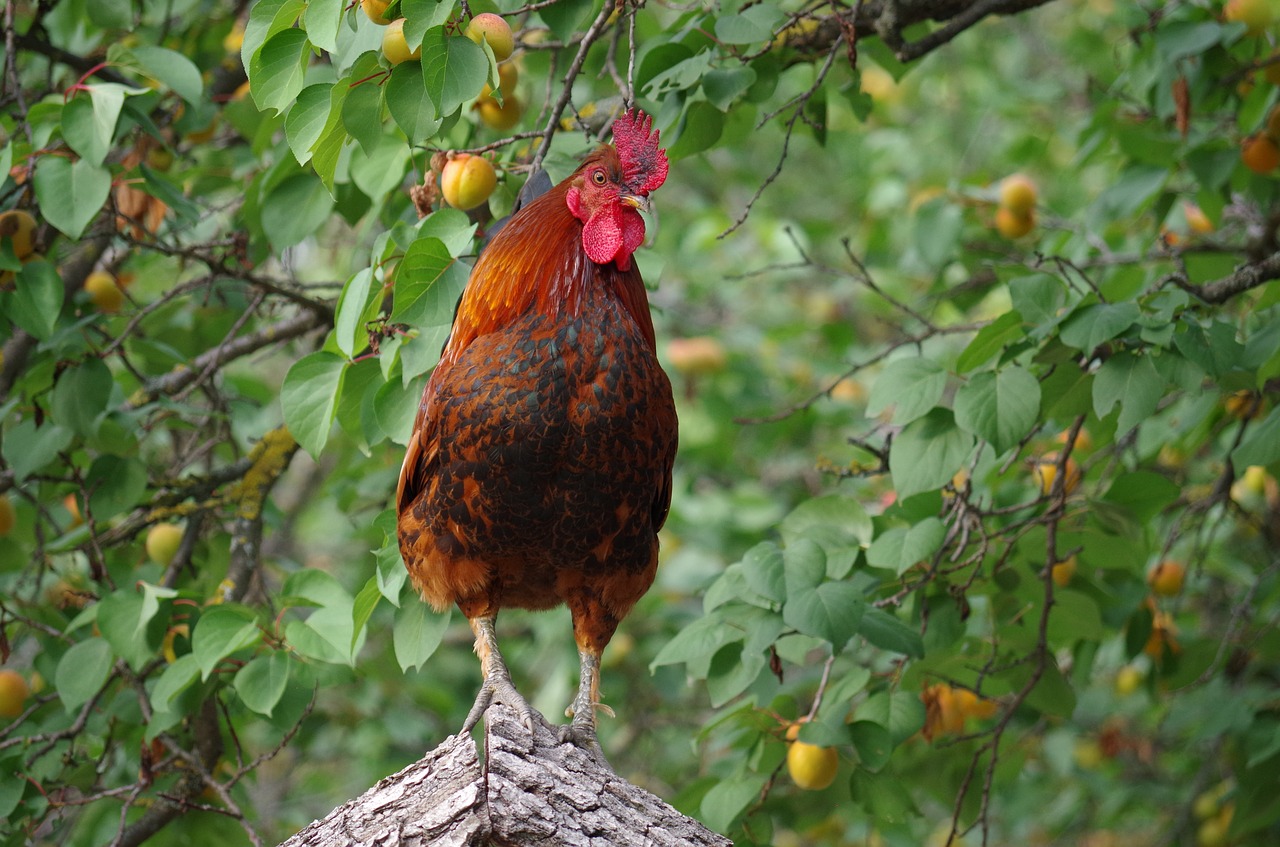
(1018, 194)
(104, 291)
(1197, 221)
(500, 116)
(1013, 224)
(698, 355)
(163, 541)
(394, 46)
(1244, 404)
(375, 9)
(466, 181)
(811, 767)
(492, 28)
(1045, 471)
(1256, 15)
(1064, 571)
(1260, 154)
(1166, 578)
(13, 693)
(8, 517)
(20, 228)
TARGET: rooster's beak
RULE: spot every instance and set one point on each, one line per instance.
(637, 201)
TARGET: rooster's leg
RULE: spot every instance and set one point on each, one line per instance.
(497, 684)
(582, 730)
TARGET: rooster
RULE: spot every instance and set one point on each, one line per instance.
(539, 468)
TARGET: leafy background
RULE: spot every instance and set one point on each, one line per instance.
(873, 382)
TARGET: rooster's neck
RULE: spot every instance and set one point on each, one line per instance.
(537, 263)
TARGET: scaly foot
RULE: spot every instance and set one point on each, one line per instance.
(498, 686)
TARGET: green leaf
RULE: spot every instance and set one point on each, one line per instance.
(839, 524)
(321, 21)
(884, 797)
(81, 395)
(752, 26)
(173, 681)
(999, 407)
(900, 711)
(913, 386)
(1142, 493)
(37, 300)
(1075, 618)
(362, 609)
(261, 682)
(454, 69)
(762, 567)
(428, 283)
(927, 453)
(70, 193)
(411, 104)
(171, 68)
(120, 621)
(699, 640)
(309, 397)
(306, 120)
(221, 631)
(1179, 39)
(903, 547)
(1038, 299)
(936, 234)
(276, 70)
(395, 406)
(331, 623)
(723, 86)
(990, 340)
(565, 17)
(362, 112)
(417, 633)
(82, 670)
(887, 632)
(28, 448)
(81, 132)
(294, 209)
(349, 325)
(1131, 381)
(728, 798)
(700, 130)
(828, 610)
(873, 743)
(733, 669)
(117, 484)
(1091, 326)
(1261, 446)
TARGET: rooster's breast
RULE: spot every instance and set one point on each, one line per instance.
(557, 436)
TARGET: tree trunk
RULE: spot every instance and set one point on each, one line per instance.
(530, 790)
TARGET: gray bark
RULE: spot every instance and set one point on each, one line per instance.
(530, 790)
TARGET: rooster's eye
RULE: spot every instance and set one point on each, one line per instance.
(598, 177)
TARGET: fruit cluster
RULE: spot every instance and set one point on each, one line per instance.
(1016, 214)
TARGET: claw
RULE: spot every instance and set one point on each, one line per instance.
(497, 683)
(582, 730)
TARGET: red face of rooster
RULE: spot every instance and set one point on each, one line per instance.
(613, 185)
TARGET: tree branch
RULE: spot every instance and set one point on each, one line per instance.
(530, 790)
(1246, 278)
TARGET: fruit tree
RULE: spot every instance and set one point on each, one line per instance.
(973, 316)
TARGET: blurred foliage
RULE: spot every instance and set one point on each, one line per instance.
(977, 482)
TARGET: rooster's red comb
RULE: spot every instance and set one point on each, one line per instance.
(644, 163)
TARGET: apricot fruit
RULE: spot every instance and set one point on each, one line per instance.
(494, 29)
(811, 767)
(466, 181)
(394, 46)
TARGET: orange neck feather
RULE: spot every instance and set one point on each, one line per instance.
(536, 262)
